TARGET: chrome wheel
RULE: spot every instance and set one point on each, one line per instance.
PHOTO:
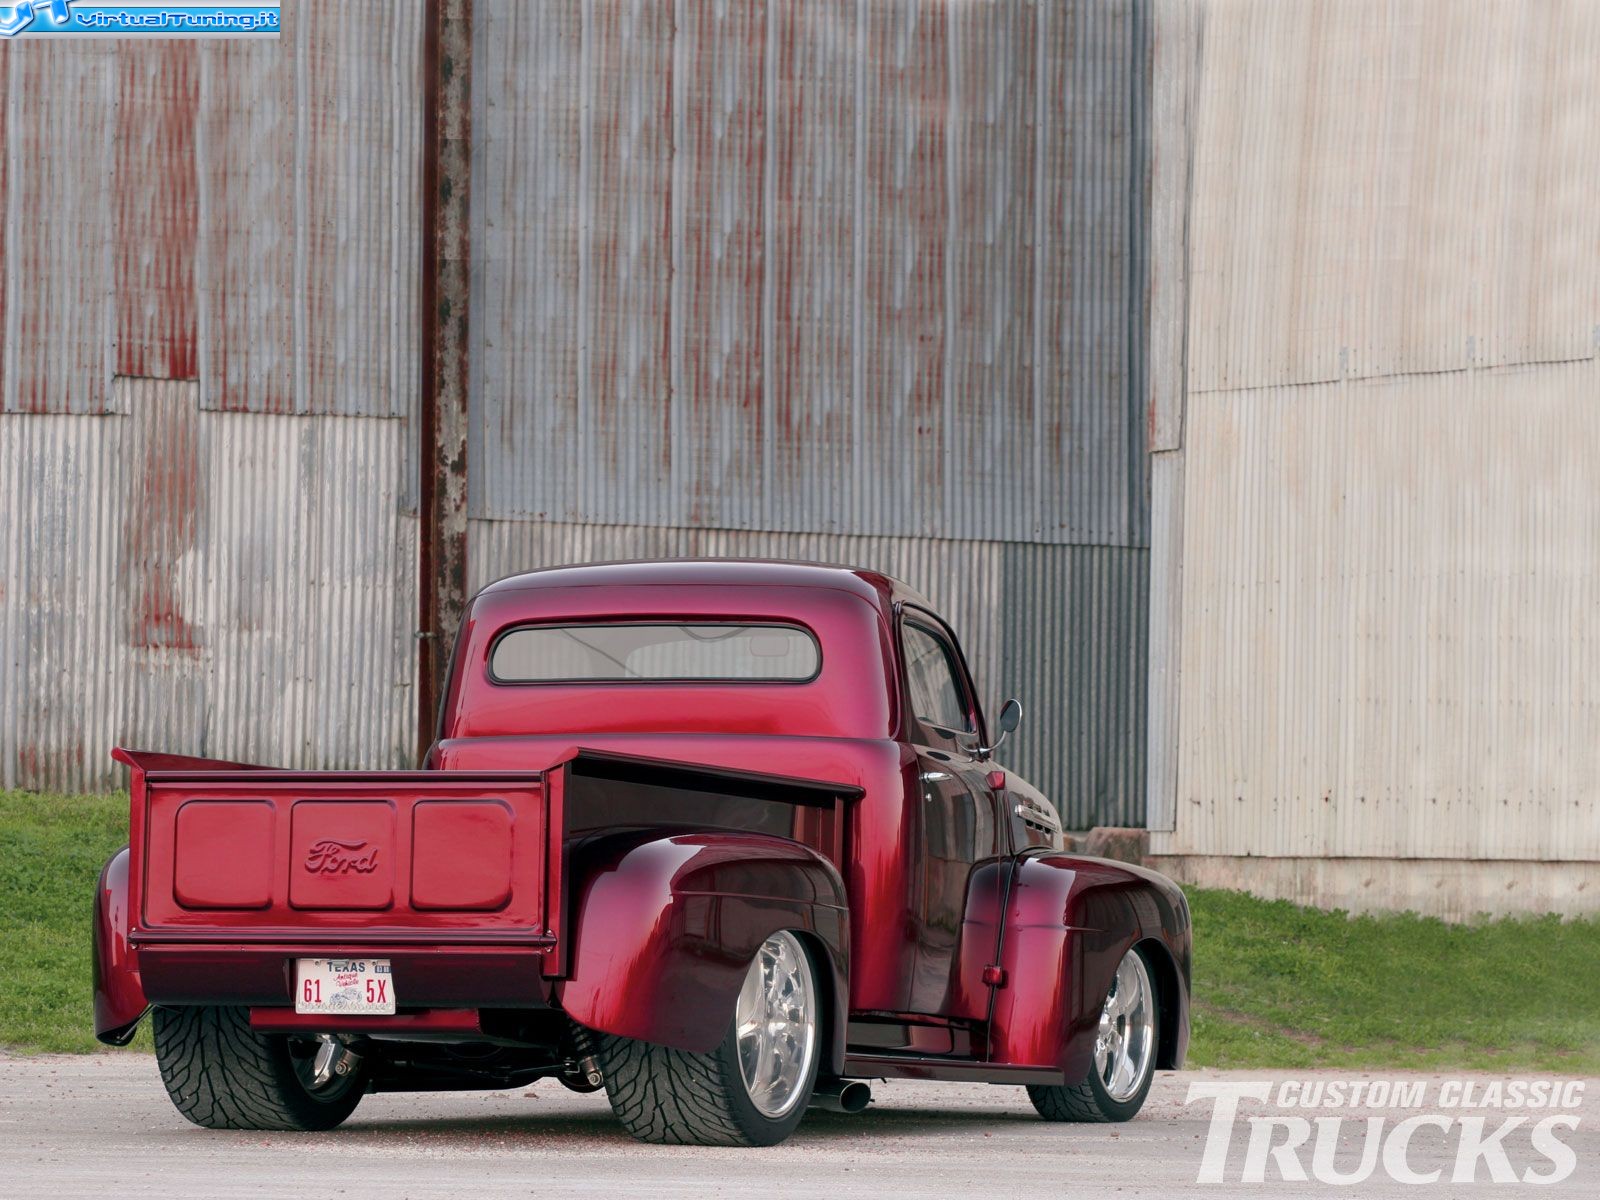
(775, 1024)
(1125, 1044)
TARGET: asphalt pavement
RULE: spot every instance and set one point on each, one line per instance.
(101, 1125)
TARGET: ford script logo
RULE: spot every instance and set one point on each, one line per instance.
(331, 856)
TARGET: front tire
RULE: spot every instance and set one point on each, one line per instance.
(1124, 1052)
(752, 1090)
(221, 1074)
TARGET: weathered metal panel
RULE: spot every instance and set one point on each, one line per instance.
(59, 491)
(624, 359)
(1060, 627)
(1176, 35)
(808, 325)
(201, 239)
(1410, 186)
(1165, 642)
(527, 65)
(158, 92)
(903, 214)
(58, 338)
(356, 208)
(213, 583)
(875, 266)
(1094, 477)
(1391, 618)
(1074, 632)
(1387, 522)
(719, 126)
(246, 263)
(308, 152)
(5, 212)
(990, 395)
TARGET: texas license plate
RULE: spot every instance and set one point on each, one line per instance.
(343, 985)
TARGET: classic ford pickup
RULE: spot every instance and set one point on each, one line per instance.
(724, 838)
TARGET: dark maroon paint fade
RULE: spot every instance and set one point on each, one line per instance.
(617, 851)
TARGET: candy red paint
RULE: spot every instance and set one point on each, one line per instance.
(616, 852)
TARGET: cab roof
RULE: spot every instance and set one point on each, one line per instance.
(872, 586)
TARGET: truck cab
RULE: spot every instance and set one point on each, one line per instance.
(724, 838)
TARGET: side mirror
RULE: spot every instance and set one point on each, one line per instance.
(1008, 720)
(1010, 717)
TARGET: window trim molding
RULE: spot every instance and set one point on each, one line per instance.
(935, 626)
(661, 680)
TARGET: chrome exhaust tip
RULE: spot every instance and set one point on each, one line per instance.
(841, 1095)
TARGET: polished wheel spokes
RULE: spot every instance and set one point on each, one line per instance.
(1125, 1042)
(776, 1025)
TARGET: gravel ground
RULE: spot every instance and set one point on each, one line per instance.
(101, 1125)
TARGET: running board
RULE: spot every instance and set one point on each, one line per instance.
(954, 1070)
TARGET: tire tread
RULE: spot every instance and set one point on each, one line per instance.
(666, 1096)
(1068, 1103)
(221, 1074)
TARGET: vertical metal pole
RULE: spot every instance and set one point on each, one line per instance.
(442, 424)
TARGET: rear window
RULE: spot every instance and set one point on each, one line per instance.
(658, 651)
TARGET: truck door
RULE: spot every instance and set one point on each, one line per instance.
(960, 837)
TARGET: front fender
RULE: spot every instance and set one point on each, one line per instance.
(664, 928)
(118, 994)
(1069, 921)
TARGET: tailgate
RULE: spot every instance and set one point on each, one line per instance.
(343, 858)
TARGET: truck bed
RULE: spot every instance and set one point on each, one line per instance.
(456, 876)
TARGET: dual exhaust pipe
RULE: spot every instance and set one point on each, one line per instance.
(841, 1095)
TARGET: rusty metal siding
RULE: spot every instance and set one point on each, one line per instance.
(360, 126)
(523, 372)
(719, 127)
(246, 258)
(810, 212)
(872, 266)
(864, 265)
(209, 256)
(59, 231)
(1050, 624)
(158, 93)
(624, 358)
(862, 280)
(1093, 343)
(308, 154)
(234, 584)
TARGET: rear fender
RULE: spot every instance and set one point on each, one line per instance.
(119, 999)
(665, 926)
(1069, 922)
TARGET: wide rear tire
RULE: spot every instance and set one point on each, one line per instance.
(753, 1089)
(1125, 1052)
(221, 1074)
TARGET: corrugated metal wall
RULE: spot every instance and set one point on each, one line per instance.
(1390, 525)
(1034, 622)
(209, 288)
(844, 279)
(858, 281)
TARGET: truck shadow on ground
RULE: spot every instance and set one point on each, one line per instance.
(599, 1126)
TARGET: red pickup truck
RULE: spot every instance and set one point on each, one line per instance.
(724, 838)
